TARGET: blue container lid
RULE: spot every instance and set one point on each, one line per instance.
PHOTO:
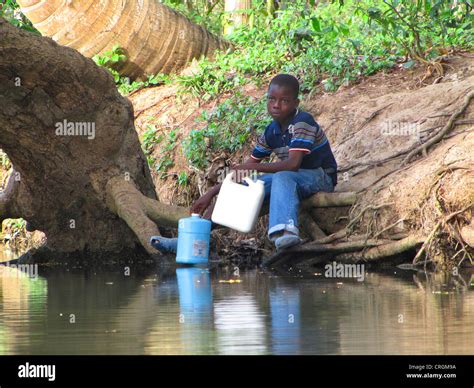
(194, 224)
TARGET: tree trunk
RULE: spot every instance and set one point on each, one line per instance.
(156, 39)
(237, 14)
(59, 183)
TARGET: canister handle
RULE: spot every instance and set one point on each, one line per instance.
(249, 181)
(229, 176)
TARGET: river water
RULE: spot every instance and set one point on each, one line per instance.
(199, 311)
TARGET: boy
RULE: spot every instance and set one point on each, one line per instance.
(306, 164)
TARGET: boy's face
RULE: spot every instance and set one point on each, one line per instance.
(281, 102)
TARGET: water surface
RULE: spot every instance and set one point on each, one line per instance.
(197, 311)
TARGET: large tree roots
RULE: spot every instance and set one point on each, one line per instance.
(142, 214)
(346, 247)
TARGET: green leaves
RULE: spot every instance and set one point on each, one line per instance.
(167, 142)
(417, 26)
(10, 10)
(114, 57)
(409, 64)
(315, 23)
(228, 127)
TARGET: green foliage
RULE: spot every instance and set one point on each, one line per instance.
(167, 151)
(183, 179)
(227, 129)
(206, 13)
(333, 43)
(5, 163)
(166, 143)
(418, 26)
(113, 59)
(13, 233)
(10, 11)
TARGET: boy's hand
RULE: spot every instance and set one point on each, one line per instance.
(200, 205)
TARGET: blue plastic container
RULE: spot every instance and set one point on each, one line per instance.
(194, 235)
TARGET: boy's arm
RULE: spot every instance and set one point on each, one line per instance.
(200, 205)
(293, 163)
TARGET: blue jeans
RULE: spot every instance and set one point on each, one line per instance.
(285, 190)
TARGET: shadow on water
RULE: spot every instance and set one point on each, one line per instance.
(190, 310)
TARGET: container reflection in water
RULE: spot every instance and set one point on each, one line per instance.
(285, 310)
(195, 304)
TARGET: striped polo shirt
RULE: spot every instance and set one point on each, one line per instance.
(303, 134)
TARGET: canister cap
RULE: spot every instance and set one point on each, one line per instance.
(195, 215)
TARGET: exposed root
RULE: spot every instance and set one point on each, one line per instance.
(436, 138)
(435, 231)
(323, 199)
(467, 234)
(293, 254)
(348, 230)
(366, 121)
(142, 214)
(382, 251)
(309, 226)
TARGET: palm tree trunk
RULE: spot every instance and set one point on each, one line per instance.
(155, 38)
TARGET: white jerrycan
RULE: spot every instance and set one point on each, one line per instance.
(238, 206)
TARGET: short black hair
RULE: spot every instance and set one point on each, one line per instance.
(287, 81)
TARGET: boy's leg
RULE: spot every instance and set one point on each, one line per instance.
(288, 188)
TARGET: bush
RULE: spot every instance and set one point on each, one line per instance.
(332, 43)
(112, 59)
(228, 127)
(10, 11)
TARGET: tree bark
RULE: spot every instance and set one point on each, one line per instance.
(156, 39)
(60, 185)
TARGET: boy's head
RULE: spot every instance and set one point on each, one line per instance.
(282, 99)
